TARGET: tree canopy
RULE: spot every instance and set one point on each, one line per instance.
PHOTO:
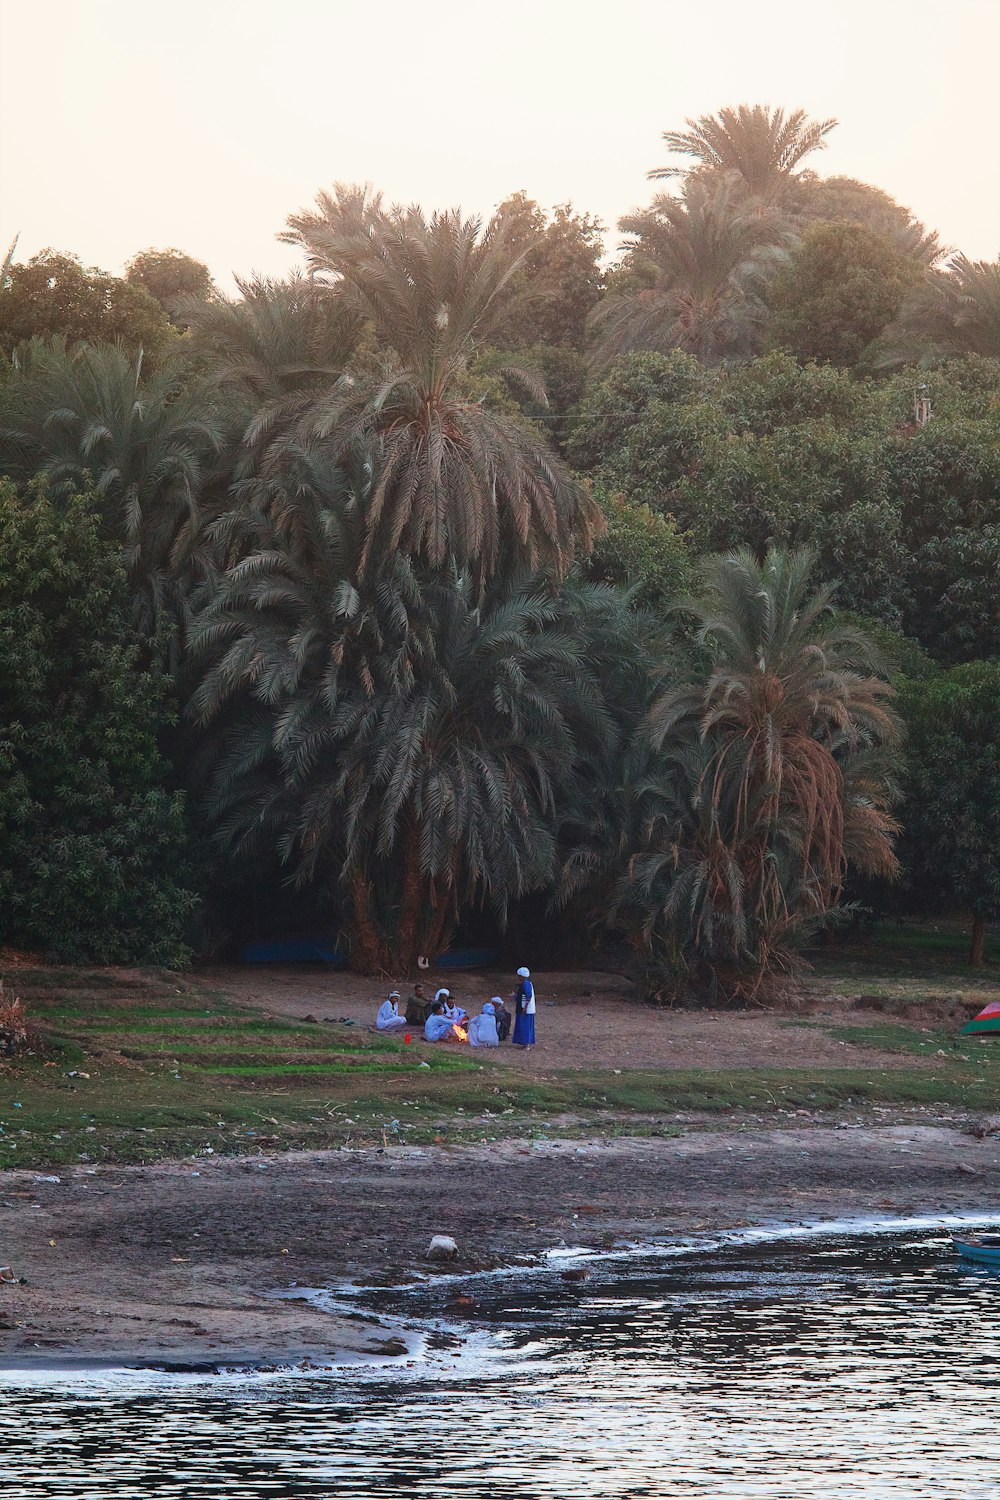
(415, 527)
(94, 852)
(952, 809)
(54, 295)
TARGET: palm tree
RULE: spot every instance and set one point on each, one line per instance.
(272, 353)
(91, 417)
(708, 255)
(953, 312)
(762, 145)
(774, 773)
(393, 734)
(454, 482)
(7, 262)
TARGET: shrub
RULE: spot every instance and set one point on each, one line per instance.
(16, 1032)
(93, 846)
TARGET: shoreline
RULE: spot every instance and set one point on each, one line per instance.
(197, 1263)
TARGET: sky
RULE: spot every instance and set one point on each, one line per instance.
(202, 124)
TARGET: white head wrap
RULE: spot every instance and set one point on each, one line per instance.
(524, 973)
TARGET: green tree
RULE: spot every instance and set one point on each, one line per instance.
(93, 847)
(903, 517)
(389, 732)
(456, 482)
(945, 477)
(95, 417)
(844, 200)
(271, 354)
(951, 813)
(769, 451)
(841, 288)
(642, 552)
(170, 277)
(53, 295)
(702, 261)
(560, 274)
(951, 313)
(774, 775)
(758, 143)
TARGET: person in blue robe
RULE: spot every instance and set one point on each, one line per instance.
(437, 1026)
(524, 1011)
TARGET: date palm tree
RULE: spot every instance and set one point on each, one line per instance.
(952, 313)
(774, 774)
(391, 732)
(454, 482)
(707, 256)
(93, 417)
(272, 352)
(762, 145)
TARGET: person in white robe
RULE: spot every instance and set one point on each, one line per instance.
(456, 1015)
(388, 1018)
(437, 1026)
(483, 1028)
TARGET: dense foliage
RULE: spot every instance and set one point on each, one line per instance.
(952, 843)
(773, 774)
(412, 531)
(54, 294)
(905, 517)
(93, 847)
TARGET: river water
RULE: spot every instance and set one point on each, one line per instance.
(828, 1366)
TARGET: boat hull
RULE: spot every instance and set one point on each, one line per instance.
(985, 1255)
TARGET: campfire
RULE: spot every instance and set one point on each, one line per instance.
(459, 1033)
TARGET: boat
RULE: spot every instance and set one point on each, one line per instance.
(984, 1248)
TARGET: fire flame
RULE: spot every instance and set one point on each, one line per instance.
(460, 1033)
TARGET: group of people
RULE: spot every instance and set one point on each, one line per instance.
(444, 1020)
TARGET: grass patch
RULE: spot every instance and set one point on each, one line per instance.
(176, 1074)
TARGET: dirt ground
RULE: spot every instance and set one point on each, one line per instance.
(584, 1020)
(175, 1262)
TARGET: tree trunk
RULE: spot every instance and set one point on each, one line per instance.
(441, 919)
(413, 900)
(366, 947)
(978, 941)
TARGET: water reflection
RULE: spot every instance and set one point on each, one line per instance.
(865, 1369)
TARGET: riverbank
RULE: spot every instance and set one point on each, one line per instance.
(180, 1261)
(134, 1067)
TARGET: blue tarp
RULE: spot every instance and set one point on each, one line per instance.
(312, 950)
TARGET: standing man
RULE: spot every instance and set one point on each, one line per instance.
(524, 1011)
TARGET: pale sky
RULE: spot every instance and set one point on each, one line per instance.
(202, 124)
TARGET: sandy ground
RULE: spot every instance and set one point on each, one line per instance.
(584, 1020)
(175, 1262)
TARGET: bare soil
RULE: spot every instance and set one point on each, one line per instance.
(585, 1020)
(175, 1262)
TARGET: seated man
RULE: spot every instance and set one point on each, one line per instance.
(503, 1018)
(418, 1007)
(483, 1028)
(437, 1026)
(454, 1012)
(388, 1018)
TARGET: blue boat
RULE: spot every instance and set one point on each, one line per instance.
(979, 1247)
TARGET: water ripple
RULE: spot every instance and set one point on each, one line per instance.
(837, 1370)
